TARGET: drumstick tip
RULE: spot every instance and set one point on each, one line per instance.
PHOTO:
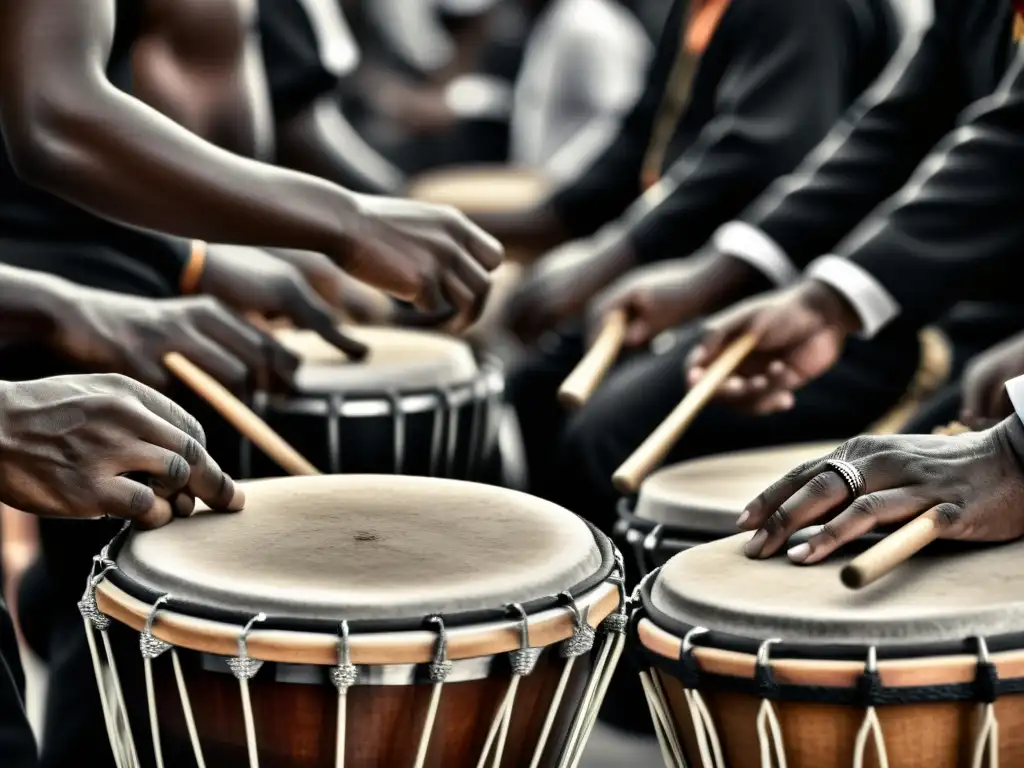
(852, 577)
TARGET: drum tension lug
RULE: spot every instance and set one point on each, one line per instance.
(151, 646)
(243, 667)
(344, 675)
(583, 635)
(524, 659)
(439, 669)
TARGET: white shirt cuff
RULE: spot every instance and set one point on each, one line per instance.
(1015, 391)
(870, 300)
(750, 244)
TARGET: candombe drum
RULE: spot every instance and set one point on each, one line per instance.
(697, 501)
(754, 664)
(419, 405)
(356, 621)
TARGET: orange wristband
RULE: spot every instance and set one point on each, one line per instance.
(193, 271)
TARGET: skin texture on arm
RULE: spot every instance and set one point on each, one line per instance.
(69, 131)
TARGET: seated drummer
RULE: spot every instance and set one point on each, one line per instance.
(703, 141)
(973, 482)
(966, 207)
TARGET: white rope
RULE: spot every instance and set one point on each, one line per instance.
(439, 670)
(708, 745)
(115, 746)
(619, 644)
(152, 648)
(506, 723)
(582, 715)
(666, 714)
(581, 642)
(154, 726)
(112, 664)
(668, 752)
(339, 742)
(186, 706)
(987, 743)
(244, 669)
(344, 676)
(871, 726)
(769, 731)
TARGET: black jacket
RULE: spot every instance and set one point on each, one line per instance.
(917, 230)
(775, 77)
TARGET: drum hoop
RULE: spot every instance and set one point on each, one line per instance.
(1013, 641)
(368, 649)
(626, 514)
(323, 626)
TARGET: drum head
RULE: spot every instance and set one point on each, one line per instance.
(482, 190)
(366, 547)
(707, 495)
(399, 359)
(944, 593)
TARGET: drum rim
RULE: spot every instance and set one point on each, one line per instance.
(385, 648)
(903, 675)
(605, 546)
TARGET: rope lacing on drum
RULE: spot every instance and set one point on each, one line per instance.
(869, 685)
(987, 743)
(613, 633)
(523, 661)
(152, 648)
(438, 671)
(244, 669)
(117, 723)
(769, 730)
(580, 643)
(344, 676)
(708, 743)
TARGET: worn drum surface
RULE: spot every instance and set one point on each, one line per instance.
(698, 501)
(435, 620)
(419, 405)
(925, 667)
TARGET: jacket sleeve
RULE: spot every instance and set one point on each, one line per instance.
(787, 82)
(956, 229)
(869, 154)
(612, 181)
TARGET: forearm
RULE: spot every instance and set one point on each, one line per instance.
(535, 229)
(124, 161)
(320, 141)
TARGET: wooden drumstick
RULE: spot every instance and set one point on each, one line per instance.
(239, 415)
(894, 549)
(653, 450)
(581, 383)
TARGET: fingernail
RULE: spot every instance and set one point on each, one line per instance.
(787, 401)
(743, 519)
(800, 552)
(754, 546)
(237, 502)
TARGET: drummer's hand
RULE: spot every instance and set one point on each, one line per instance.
(562, 282)
(801, 331)
(663, 295)
(974, 480)
(343, 293)
(69, 442)
(430, 256)
(985, 400)
(111, 332)
(251, 280)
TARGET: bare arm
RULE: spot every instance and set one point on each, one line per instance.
(71, 132)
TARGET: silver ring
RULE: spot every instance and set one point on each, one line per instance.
(851, 475)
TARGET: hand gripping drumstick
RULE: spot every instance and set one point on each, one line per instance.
(893, 550)
(653, 450)
(239, 415)
(581, 383)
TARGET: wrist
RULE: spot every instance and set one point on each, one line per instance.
(32, 303)
(726, 279)
(831, 305)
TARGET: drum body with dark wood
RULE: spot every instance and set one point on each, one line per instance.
(698, 501)
(436, 621)
(419, 405)
(746, 662)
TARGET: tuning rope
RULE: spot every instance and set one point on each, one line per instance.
(769, 731)
(581, 642)
(438, 670)
(871, 726)
(708, 744)
(244, 669)
(987, 744)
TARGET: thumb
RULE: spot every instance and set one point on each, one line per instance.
(719, 331)
(308, 310)
(638, 320)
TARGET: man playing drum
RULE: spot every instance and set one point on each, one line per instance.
(702, 142)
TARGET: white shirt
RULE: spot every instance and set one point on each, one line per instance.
(584, 68)
(1015, 391)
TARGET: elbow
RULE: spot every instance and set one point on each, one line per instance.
(47, 147)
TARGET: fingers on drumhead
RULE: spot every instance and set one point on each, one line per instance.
(757, 511)
(823, 493)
